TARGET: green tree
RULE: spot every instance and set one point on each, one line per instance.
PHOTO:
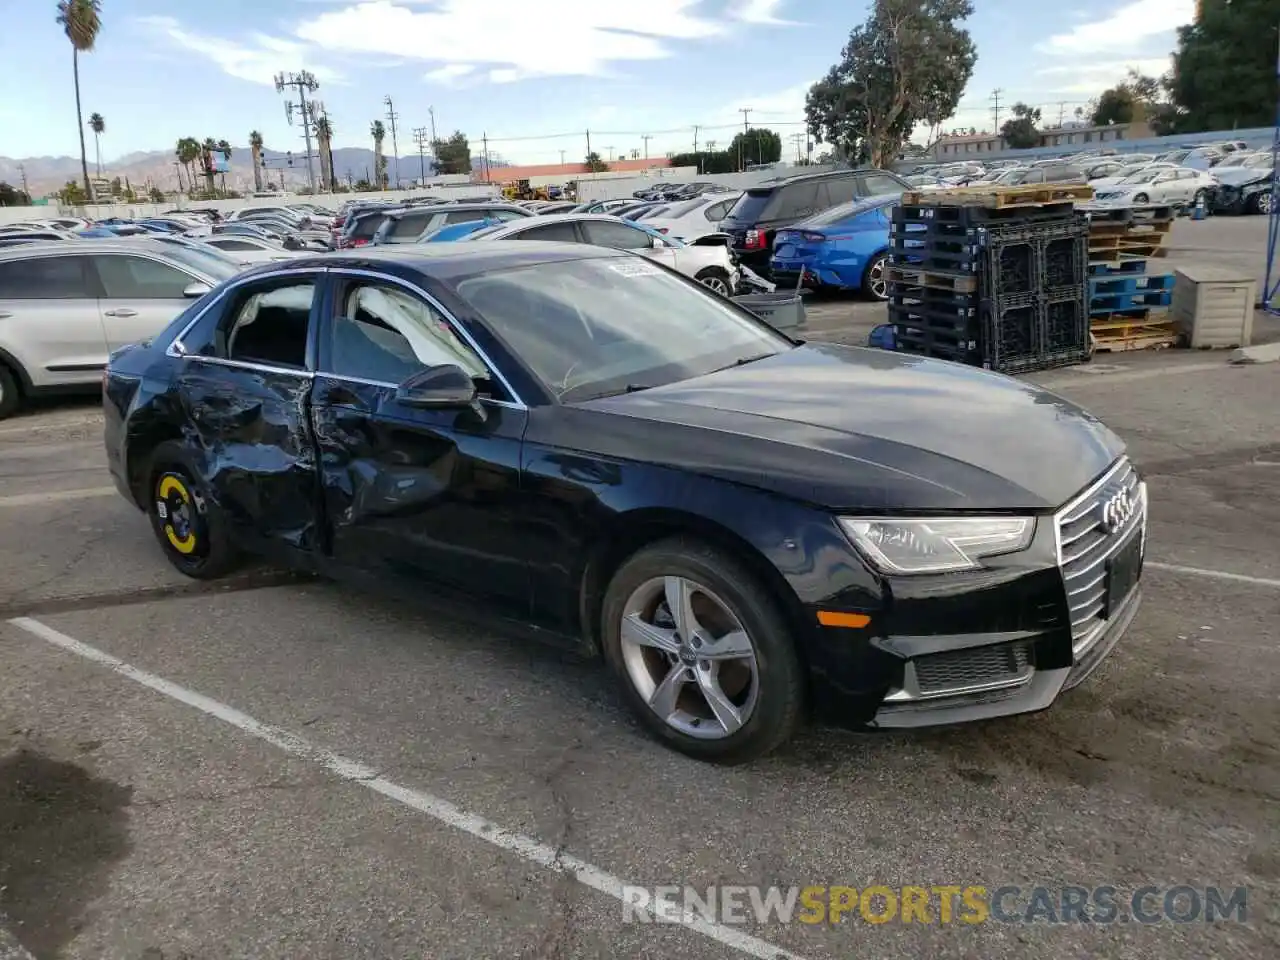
(707, 161)
(81, 20)
(207, 150)
(155, 195)
(1116, 105)
(908, 63)
(11, 196)
(594, 164)
(1022, 130)
(117, 187)
(453, 155)
(1224, 68)
(756, 145)
(187, 152)
(72, 194)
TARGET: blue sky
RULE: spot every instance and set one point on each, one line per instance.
(524, 71)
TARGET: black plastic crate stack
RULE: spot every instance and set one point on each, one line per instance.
(1000, 288)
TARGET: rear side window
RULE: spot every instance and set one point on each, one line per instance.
(44, 278)
(877, 185)
(794, 201)
(267, 324)
(464, 216)
(558, 232)
(602, 233)
(717, 211)
(839, 190)
(368, 226)
(407, 227)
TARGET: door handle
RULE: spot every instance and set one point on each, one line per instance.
(122, 312)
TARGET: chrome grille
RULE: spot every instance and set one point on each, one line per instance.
(973, 667)
(1084, 546)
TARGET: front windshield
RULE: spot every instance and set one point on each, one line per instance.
(606, 325)
(211, 262)
(1143, 176)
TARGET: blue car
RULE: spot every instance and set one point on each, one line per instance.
(457, 231)
(844, 248)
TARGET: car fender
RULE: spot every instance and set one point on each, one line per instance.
(9, 360)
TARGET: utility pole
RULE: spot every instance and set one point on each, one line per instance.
(746, 112)
(995, 108)
(1062, 112)
(484, 138)
(22, 172)
(305, 83)
(420, 135)
(695, 138)
(392, 117)
(608, 154)
(562, 158)
(646, 138)
(588, 144)
(797, 139)
(431, 112)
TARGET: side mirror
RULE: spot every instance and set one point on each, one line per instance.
(443, 387)
(196, 290)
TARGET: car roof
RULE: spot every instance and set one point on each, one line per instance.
(448, 261)
(464, 207)
(775, 182)
(86, 245)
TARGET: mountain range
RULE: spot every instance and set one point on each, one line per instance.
(47, 174)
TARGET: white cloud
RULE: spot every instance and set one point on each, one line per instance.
(1124, 29)
(257, 60)
(573, 37)
(449, 73)
(1092, 78)
(758, 12)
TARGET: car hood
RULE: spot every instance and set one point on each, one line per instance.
(850, 428)
(1240, 176)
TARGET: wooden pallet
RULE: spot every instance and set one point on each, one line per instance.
(1119, 228)
(1132, 330)
(1149, 340)
(1103, 247)
(1122, 258)
(998, 198)
(934, 279)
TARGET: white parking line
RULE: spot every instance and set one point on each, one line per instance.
(1213, 574)
(438, 809)
(54, 496)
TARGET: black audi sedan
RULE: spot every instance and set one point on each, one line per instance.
(750, 530)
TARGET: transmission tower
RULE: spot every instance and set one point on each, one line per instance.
(305, 83)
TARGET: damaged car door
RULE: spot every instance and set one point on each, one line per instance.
(244, 386)
(419, 444)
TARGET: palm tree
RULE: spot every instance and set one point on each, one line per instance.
(188, 152)
(98, 126)
(379, 133)
(255, 148)
(81, 21)
(324, 138)
(206, 156)
(224, 148)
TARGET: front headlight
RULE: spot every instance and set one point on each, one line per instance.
(901, 545)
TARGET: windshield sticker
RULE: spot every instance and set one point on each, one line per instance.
(637, 269)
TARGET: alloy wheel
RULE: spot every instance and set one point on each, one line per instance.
(1264, 202)
(716, 283)
(876, 282)
(689, 657)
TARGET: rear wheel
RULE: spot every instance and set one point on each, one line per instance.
(188, 526)
(875, 280)
(703, 653)
(1260, 202)
(713, 278)
(10, 398)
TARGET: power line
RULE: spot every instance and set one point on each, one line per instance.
(746, 112)
(995, 107)
(420, 137)
(646, 138)
(304, 83)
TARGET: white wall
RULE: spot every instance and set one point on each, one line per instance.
(102, 211)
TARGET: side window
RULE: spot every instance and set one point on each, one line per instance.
(266, 324)
(45, 278)
(601, 233)
(1033, 176)
(504, 215)
(368, 226)
(717, 211)
(877, 185)
(795, 200)
(463, 216)
(386, 334)
(842, 190)
(409, 227)
(137, 278)
(234, 245)
(559, 232)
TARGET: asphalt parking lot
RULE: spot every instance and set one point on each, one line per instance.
(276, 768)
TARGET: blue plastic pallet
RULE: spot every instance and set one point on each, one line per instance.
(1111, 302)
(1129, 283)
(1136, 265)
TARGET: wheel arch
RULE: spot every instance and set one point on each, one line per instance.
(139, 453)
(8, 360)
(633, 531)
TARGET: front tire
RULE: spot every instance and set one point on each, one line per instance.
(715, 280)
(189, 527)
(10, 398)
(875, 283)
(703, 653)
(1260, 202)
(1141, 198)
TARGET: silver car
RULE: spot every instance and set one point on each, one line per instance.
(66, 305)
